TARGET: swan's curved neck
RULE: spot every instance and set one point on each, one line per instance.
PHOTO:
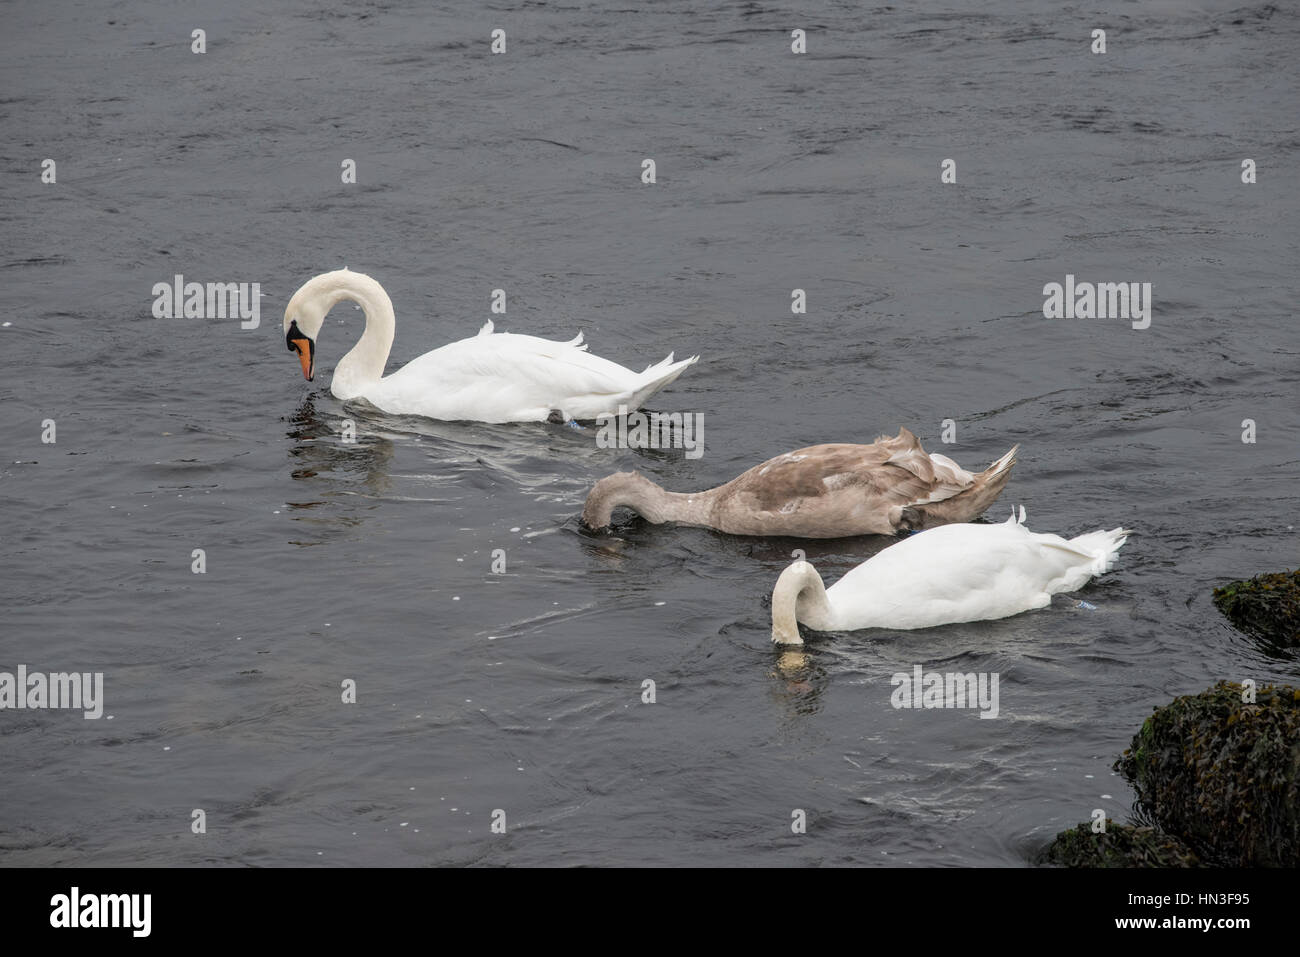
(653, 503)
(364, 364)
(799, 595)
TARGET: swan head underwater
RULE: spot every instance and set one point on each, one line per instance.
(305, 314)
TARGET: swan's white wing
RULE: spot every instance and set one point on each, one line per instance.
(959, 573)
(504, 377)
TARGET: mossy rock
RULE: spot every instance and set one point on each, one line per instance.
(1223, 775)
(1266, 606)
(1121, 845)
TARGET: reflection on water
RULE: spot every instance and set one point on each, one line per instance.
(605, 547)
(322, 447)
(334, 467)
(799, 683)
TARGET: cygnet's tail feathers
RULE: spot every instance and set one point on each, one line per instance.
(962, 497)
(1001, 465)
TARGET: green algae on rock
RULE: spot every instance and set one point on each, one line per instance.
(1120, 845)
(1266, 606)
(1223, 774)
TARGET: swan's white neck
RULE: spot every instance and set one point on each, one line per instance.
(799, 595)
(364, 365)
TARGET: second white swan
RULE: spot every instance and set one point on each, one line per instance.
(942, 576)
(490, 377)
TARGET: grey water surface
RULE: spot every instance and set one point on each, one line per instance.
(522, 692)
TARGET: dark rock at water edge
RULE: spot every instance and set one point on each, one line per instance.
(1266, 607)
(1120, 845)
(1223, 773)
(1218, 774)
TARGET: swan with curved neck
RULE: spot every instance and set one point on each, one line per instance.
(943, 576)
(490, 377)
(824, 491)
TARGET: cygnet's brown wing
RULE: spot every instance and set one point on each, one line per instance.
(837, 490)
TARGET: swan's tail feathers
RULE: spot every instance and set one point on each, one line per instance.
(959, 496)
(656, 377)
(577, 343)
(985, 489)
(988, 485)
(1002, 466)
(1104, 548)
(661, 364)
(487, 328)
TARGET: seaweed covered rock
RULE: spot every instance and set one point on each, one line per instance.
(1120, 845)
(1223, 774)
(1266, 606)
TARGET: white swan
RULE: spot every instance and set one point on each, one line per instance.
(490, 377)
(942, 576)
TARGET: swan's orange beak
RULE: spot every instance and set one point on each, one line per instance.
(306, 349)
(303, 347)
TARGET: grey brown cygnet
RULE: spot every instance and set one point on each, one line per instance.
(823, 491)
